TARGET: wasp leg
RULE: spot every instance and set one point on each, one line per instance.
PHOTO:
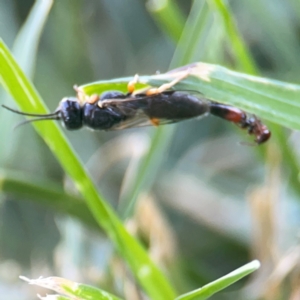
(131, 84)
(155, 121)
(83, 97)
(167, 86)
(92, 99)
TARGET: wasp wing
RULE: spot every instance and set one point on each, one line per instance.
(158, 109)
(138, 118)
(136, 110)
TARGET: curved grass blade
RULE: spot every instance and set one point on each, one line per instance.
(168, 16)
(210, 289)
(71, 289)
(162, 137)
(24, 50)
(243, 57)
(16, 83)
(270, 99)
(247, 64)
(195, 31)
(26, 43)
(48, 194)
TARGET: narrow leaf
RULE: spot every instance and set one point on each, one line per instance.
(270, 99)
(71, 289)
(24, 93)
(210, 289)
(168, 16)
(26, 43)
(49, 194)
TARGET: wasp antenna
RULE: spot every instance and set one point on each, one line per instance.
(29, 114)
(35, 120)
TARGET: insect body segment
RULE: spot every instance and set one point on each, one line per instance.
(70, 111)
(240, 118)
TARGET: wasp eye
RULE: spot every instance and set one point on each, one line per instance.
(70, 113)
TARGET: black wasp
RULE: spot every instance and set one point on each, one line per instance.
(114, 110)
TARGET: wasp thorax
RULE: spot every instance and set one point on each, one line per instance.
(70, 112)
(101, 118)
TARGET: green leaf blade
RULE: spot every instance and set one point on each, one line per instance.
(71, 289)
(14, 80)
(168, 16)
(213, 287)
(26, 43)
(270, 99)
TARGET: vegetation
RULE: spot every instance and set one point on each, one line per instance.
(156, 212)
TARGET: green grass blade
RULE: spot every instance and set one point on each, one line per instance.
(243, 57)
(195, 30)
(23, 187)
(248, 65)
(168, 16)
(16, 83)
(270, 99)
(144, 178)
(26, 43)
(278, 40)
(24, 50)
(273, 100)
(153, 160)
(72, 289)
(210, 289)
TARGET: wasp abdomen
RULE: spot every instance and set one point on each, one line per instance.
(175, 106)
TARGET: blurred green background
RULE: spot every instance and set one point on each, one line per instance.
(214, 204)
